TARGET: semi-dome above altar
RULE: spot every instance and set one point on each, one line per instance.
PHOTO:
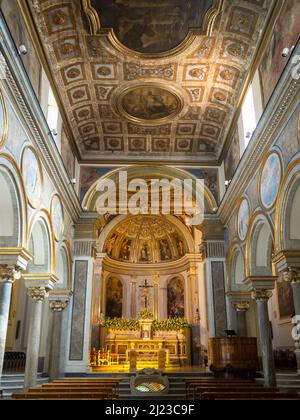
(146, 239)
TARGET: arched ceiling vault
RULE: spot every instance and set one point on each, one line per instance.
(130, 92)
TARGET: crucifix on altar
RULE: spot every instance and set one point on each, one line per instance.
(146, 288)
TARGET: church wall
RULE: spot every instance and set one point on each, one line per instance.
(17, 140)
(285, 35)
(15, 22)
(287, 146)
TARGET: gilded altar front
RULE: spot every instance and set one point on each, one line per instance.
(139, 350)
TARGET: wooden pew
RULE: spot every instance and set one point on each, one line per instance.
(81, 388)
(199, 392)
(65, 395)
(213, 396)
(192, 384)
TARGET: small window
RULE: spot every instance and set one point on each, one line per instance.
(249, 116)
(252, 110)
(52, 112)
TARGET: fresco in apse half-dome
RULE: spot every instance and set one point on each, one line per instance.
(151, 27)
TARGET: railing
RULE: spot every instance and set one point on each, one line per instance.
(101, 359)
(14, 362)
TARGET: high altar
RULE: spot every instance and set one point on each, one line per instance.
(143, 348)
(148, 264)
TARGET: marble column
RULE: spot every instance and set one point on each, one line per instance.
(292, 276)
(262, 297)
(7, 278)
(261, 291)
(39, 286)
(241, 309)
(38, 296)
(12, 262)
(57, 306)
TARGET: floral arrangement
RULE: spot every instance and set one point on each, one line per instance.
(122, 324)
(145, 314)
(171, 324)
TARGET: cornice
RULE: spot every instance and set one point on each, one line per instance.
(278, 110)
(22, 96)
(171, 267)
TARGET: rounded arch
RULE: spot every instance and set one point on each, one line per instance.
(63, 267)
(260, 246)
(236, 268)
(13, 211)
(179, 226)
(41, 243)
(287, 231)
(159, 172)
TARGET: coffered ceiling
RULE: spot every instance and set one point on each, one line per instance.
(155, 80)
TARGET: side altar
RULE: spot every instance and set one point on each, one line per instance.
(145, 344)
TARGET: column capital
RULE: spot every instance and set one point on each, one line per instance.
(241, 306)
(261, 295)
(58, 305)
(38, 293)
(292, 275)
(9, 274)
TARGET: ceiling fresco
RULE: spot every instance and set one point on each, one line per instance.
(150, 96)
(151, 27)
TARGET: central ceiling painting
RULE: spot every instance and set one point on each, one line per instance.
(151, 26)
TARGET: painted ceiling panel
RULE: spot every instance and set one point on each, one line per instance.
(162, 83)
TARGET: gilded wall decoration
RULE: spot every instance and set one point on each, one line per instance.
(149, 103)
(3, 120)
(243, 219)
(151, 27)
(270, 180)
(32, 176)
